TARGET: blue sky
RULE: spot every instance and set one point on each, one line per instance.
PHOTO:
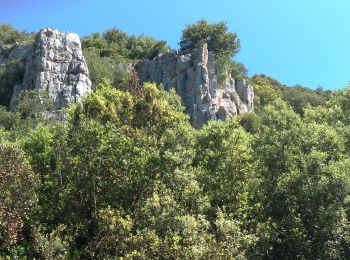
(303, 42)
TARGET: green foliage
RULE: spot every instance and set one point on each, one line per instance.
(237, 70)
(31, 102)
(145, 47)
(9, 76)
(299, 97)
(339, 102)
(114, 70)
(220, 41)
(8, 120)
(225, 157)
(113, 235)
(100, 68)
(17, 197)
(302, 195)
(126, 176)
(108, 156)
(110, 56)
(228, 66)
(251, 122)
(38, 147)
(11, 73)
(15, 126)
(177, 233)
(232, 242)
(267, 90)
(115, 43)
(223, 43)
(10, 35)
(50, 246)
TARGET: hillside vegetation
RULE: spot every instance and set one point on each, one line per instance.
(127, 177)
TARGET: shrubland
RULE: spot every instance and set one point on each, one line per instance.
(126, 175)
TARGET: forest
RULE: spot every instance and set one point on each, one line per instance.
(126, 176)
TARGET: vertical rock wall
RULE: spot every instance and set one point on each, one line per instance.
(194, 76)
(56, 64)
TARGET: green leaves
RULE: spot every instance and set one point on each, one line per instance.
(302, 194)
(9, 35)
(13, 72)
(17, 193)
(127, 176)
(224, 44)
(30, 102)
(267, 89)
(219, 40)
(110, 55)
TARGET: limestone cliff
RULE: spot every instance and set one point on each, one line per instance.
(55, 63)
(193, 74)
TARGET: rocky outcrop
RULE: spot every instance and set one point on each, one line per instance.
(194, 75)
(56, 64)
(14, 54)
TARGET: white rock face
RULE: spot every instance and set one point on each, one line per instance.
(56, 64)
(194, 77)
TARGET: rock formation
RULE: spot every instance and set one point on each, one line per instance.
(19, 53)
(194, 75)
(56, 64)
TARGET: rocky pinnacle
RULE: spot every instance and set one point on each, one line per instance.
(194, 75)
(56, 65)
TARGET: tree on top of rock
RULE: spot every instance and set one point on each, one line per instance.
(219, 40)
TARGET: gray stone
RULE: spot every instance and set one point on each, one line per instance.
(194, 75)
(20, 52)
(14, 55)
(55, 64)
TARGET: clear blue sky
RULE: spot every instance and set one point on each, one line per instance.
(303, 42)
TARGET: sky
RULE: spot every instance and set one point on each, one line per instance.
(304, 42)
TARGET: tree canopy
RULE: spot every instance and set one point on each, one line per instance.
(125, 176)
(110, 54)
(219, 39)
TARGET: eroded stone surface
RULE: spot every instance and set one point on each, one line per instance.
(56, 65)
(193, 74)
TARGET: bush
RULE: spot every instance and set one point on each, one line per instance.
(10, 75)
(17, 193)
(9, 35)
(30, 102)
